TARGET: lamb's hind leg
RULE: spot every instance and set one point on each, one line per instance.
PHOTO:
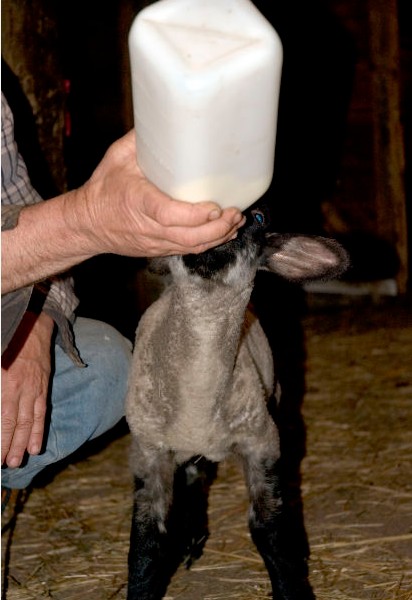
(149, 567)
(269, 528)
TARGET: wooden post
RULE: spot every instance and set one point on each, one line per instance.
(389, 157)
(29, 38)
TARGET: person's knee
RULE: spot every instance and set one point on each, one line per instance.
(101, 344)
(107, 355)
(104, 338)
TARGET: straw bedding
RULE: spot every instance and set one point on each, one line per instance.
(70, 540)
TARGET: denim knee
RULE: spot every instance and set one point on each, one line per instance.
(107, 355)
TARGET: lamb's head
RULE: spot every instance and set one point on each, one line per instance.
(295, 257)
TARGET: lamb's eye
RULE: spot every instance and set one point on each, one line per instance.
(259, 217)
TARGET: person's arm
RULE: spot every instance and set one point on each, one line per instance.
(117, 211)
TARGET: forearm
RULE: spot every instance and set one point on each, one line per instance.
(42, 244)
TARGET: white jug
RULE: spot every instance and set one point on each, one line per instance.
(205, 81)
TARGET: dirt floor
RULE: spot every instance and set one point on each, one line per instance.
(70, 540)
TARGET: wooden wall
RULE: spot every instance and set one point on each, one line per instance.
(30, 46)
(373, 194)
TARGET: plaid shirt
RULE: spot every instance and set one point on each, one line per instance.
(16, 193)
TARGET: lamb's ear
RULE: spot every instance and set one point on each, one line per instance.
(302, 258)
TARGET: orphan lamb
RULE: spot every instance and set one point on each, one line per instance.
(201, 385)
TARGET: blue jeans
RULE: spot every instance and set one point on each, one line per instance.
(85, 402)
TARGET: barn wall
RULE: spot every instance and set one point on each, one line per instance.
(372, 195)
(30, 47)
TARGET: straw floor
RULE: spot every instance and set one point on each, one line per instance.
(70, 540)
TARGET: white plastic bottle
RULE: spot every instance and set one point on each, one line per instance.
(205, 80)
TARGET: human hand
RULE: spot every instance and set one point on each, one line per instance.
(119, 211)
(24, 386)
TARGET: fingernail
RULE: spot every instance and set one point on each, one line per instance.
(13, 462)
(214, 214)
(237, 218)
(34, 449)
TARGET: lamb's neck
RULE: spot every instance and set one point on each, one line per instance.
(204, 331)
(210, 311)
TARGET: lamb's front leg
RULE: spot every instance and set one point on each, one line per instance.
(149, 567)
(270, 530)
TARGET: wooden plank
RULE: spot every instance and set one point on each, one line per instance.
(389, 153)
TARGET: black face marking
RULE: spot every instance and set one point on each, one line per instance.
(210, 263)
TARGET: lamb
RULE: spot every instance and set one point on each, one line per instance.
(201, 387)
